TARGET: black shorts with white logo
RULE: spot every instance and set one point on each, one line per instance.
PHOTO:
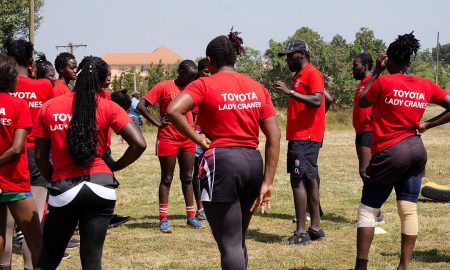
(227, 174)
(302, 159)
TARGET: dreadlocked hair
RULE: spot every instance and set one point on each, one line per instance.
(185, 66)
(403, 48)
(42, 64)
(82, 133)
(223, 50)
(20, 49)
(8, 73)
(202, 64)
(366, 60)
(62, 60)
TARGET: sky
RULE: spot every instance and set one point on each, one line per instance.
(186, 26)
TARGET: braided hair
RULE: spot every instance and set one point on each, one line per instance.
(42, 65)
(82, 133)
(224, 49)
(8, 73)
(62, 60)
(20, 49)
(202, 64)
(366, 60)
(403, 48)
(185, 66)
(122, 98)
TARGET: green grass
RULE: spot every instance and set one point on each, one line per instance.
(139, 244)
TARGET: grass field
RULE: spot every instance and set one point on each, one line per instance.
(139, 244)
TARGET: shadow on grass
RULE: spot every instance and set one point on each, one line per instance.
(276, 216)
(427, 256)
(267, 238)
(336, 218)
(424, 200)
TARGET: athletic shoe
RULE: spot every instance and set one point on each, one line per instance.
(308, 216)
(316, 235)
(379, 219)
(164, 226)
(194, 223)
(66, 256)
(299, 239)
(200, 214)
(73, 243)
(117, 220)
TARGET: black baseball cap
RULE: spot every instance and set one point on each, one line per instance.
(294, 46)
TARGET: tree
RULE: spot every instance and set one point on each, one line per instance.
(365, 41)
(14, 18)
(444, 53)
(252, 64)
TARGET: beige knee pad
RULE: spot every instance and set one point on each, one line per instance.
(408, 217)
(366, 216)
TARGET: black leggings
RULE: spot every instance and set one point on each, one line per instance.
(93, 214)
(229, 223)
(195, 180)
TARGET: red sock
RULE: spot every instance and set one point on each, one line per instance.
(190, 211)
(163, 209)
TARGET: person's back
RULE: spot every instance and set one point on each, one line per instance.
(231, 114)
(399, 103)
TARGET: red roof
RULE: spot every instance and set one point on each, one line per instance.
(163, 54)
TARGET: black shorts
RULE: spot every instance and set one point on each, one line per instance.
(302, 159)
(400, 166)
(364, 139)
(226, 174)
(36, 178)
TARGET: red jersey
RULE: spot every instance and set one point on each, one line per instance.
(35, 93)
(53, 122)
(362, 117)
(230, 108)
(163, 93)
(399, 102)
(14, 114)
(305, 122)
(104, 94)
(61, 88)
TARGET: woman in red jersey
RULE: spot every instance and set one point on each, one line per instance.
(15, 189)
(172, 145)
(66, 67)
(398, 154)
(45, 69)
(74, 129)
(233, 180)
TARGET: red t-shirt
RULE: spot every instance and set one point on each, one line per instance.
(163, 93)
(35, 93)
(399, 102)
(14, 114)
(362, 117)
(53, 122)
(60, 88)
(306, 122)
(230, 108)
(104, 94)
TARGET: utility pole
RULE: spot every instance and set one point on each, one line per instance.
(71, 46)
(437, 60)
(31, 22)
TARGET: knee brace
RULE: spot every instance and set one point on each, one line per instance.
(408, 217)
(366, 216)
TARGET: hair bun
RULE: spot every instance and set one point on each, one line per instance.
(237, 41)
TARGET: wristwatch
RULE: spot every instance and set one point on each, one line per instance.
(291, 93)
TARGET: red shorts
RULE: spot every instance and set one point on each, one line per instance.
(168, 148)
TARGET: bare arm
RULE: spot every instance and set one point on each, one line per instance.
(441, 119)
(328, 100)
(270, 128)
(136, 146)
(42, 157)
(379, 68)
(176, 111)
(313, 100)
(142, 109)
(17, 147)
